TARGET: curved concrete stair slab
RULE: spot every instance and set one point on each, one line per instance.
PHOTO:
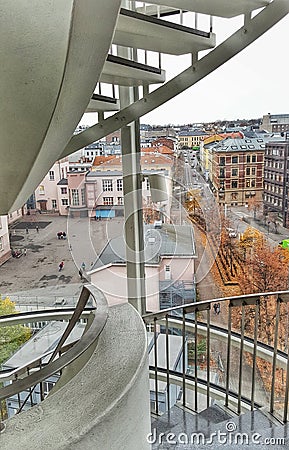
(104, 406)
(100, 103)
(149, 33)
(221, 8)
(125, 72)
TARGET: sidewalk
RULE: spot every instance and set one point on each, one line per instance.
(242, 214)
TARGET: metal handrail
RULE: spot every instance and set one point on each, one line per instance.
(248, 299)
(271, 353)
(87, 340)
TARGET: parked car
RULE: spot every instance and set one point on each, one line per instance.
(232, 233)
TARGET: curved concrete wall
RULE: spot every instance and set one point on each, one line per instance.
(105, 406)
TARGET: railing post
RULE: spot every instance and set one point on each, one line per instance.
(272, 396)
(208, 356)
(156, 366)
(228, 354)
(256, 318)
(196, 360)
(168, 360)
(184, 356)
(241, 358)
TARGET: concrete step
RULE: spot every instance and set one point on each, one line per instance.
(180, 420)
(216, 428)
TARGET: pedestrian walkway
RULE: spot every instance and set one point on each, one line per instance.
(268, 229)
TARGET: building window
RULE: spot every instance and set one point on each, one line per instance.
(222, 160)
(41, 190)
(253, 183)
(248, 184)
(119, 184)
(107, 185)
(254, 159)
(234, 159)
(51, 175)
(234, 172)
(253, 171)
(108, 201)
(120, 200)
(64, 202)
(167, 272)
(234, 184)
(54, 204)
(248, 171)
(222, 173)
(64, 190)
(74, 197)
(248, 158)
(82, 196)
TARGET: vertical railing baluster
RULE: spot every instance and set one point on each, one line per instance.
(156, 366)
(241, 359)
(208, 356)
(256, 318)
(272, 396)
(2, 409)
(211, 24)
(168, 360)
(228, 354)
(196, 20)
(18, 394)
(285, 413)
(196, 359)
(184, 356)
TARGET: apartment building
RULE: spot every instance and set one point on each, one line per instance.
(104, 184)
(276, 178)
(237, 170)
(275, 123)
(52, 195)
(191, 138)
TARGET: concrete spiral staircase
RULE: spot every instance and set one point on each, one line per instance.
(55, 57)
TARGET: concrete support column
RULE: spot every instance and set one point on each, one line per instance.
(134, 239)
(132, 190)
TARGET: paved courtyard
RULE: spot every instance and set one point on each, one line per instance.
(44, 251)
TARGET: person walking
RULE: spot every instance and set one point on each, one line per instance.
(60, 267)
(37, 228)
(27, 231)
(80, 273)
(25, 252)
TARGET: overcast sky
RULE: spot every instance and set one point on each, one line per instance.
(250, 85)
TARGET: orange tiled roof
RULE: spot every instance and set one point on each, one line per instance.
(163, 149)
(98, 160)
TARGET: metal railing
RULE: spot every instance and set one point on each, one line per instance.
(238, 356)
(20, 382)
